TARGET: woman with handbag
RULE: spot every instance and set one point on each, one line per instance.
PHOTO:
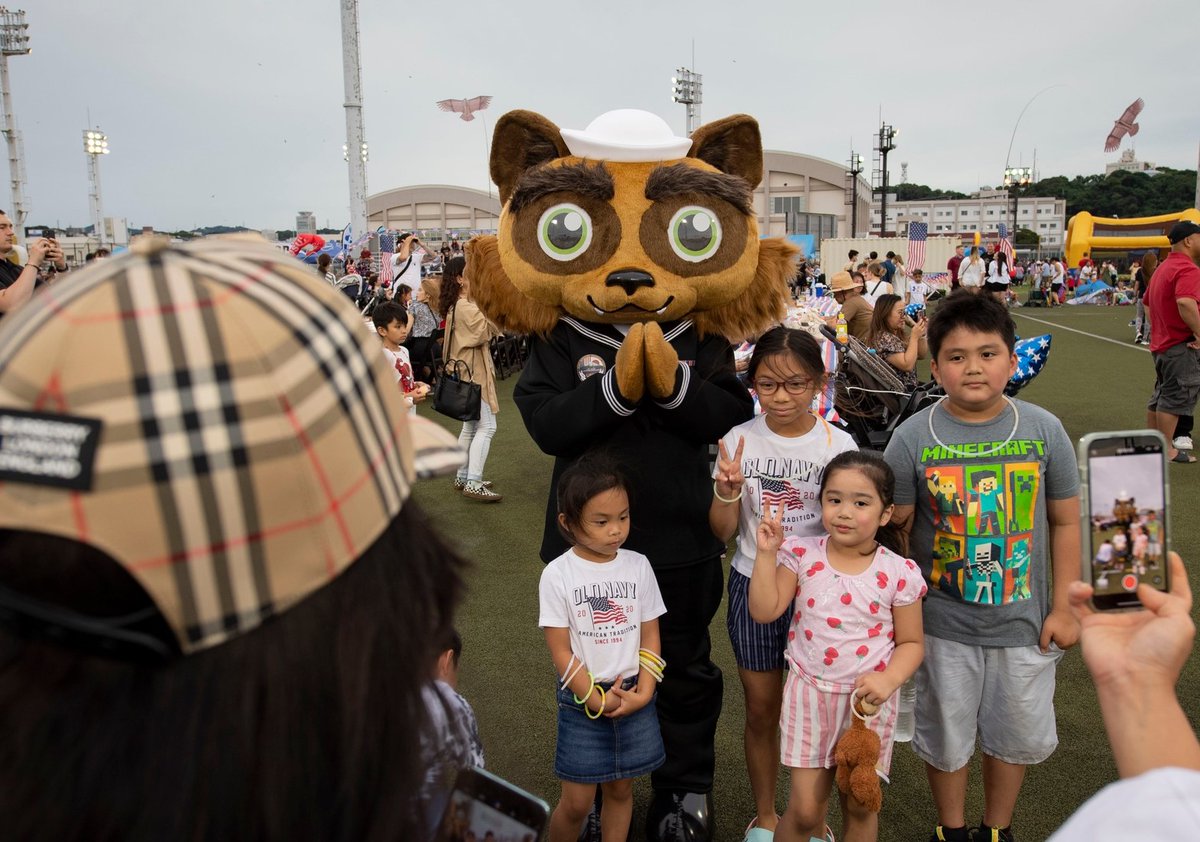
(467, 355)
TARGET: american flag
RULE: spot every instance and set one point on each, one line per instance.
(824, 401)
(1006, 245)
(917, 233)
(387, 246)
(779, 492)
(605, 611)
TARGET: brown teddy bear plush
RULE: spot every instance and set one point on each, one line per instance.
(856, 754)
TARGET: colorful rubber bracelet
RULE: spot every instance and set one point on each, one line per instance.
(603, 701)
(717, 494)
(583, 701)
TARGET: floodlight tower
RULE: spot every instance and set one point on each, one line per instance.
(686, 89)
(95, 144)
(355, 134)
(1016, 178)
(14, 41)
(884, 144)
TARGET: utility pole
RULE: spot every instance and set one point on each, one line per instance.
(884, 143)
(14, 41)
(855, 168)
(356, 144)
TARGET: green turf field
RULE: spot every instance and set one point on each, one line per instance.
(1090, 383)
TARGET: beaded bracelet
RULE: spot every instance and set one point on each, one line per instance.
(717, 494)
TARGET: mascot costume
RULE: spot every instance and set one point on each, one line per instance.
(633, 257)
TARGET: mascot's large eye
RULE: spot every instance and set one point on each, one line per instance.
(565, 231)
(695, 233)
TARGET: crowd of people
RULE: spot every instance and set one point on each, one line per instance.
(855, 574)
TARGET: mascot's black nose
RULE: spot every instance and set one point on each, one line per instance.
(629, 280)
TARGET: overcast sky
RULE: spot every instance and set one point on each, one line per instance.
(230, 111)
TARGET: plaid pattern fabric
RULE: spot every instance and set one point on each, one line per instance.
(253, 442)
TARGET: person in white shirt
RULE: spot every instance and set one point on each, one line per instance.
(999, 277)
(971, 271)
(1058, 275)
(918, 290)
(875, 285)
(406, 262)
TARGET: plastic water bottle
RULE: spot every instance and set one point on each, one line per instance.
(843, 334)
(906, 718)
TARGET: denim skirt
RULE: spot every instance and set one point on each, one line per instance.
(594, 751)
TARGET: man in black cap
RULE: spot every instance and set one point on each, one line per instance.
(1174, 302)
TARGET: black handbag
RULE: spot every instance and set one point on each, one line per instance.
(454, 396)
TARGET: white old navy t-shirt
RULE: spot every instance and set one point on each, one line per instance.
(781, 471)
(604, 605)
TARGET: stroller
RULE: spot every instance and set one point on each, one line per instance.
(870, 398)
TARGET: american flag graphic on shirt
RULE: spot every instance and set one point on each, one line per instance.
(604, 610)
(780, 492)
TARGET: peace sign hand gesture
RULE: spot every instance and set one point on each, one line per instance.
(729, 477)
(770, 530)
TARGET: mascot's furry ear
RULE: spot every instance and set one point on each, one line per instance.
(733, 145)
(496, 296)
(522, 139)
(762, 304)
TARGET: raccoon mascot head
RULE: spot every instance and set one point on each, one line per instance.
(624, 223)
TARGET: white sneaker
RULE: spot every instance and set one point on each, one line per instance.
(1183, 442)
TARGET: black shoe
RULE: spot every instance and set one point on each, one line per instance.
(983, 833)
(680, 817)
(951, 834)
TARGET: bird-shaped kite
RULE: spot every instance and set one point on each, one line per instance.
(1124, 125)
(465, 107)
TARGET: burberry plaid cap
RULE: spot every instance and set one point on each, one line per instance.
(213, 417)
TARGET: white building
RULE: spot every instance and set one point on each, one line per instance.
(982, 212)
(1128, 163)
(306, 222)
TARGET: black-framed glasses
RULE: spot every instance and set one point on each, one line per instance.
(795, 386)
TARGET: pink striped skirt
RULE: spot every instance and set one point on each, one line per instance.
(815, 715)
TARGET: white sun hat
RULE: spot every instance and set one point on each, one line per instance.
(627, 135)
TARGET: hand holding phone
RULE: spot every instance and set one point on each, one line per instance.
(1142, 648)
(1124, 497)
(482, 802)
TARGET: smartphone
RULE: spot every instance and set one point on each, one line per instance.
(1124, 497)
(483, 806)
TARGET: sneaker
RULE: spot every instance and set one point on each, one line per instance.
(1137, 340)
(983, 833)
(1183, 442)
(1133, 324)
(951, 834)
(479, 491)
(460, 484)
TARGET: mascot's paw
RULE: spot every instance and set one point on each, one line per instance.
(662, 362)
(630, 365)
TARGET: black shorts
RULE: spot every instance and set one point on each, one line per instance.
(993, 287)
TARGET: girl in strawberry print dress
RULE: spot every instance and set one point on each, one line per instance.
(855, 602)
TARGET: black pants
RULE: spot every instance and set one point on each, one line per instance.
(1183, 427)
(689, 698)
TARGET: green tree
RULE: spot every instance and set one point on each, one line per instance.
(1122, 194)
(916, 192)
(1025, 237)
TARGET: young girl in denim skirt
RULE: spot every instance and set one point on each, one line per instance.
(853, 602)
(599, 610)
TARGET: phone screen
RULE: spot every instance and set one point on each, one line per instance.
(485, 808)
(1127, 521)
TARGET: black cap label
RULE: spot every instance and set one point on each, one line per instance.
(40, 448)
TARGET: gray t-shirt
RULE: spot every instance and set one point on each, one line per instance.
(980, 530)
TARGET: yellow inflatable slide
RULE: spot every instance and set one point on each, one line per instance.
(1087, 233)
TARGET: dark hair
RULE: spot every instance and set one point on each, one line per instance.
(323, 262)
(879, 325)
(867, 462)
(386, 312)
(301, 729)
(452, 641)
(797, 343)
(451, 286)
(874, 256)
(853, 254)
(980, 313)
(589, 475)
(402, 289)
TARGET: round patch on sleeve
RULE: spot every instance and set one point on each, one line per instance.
(590, 365)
